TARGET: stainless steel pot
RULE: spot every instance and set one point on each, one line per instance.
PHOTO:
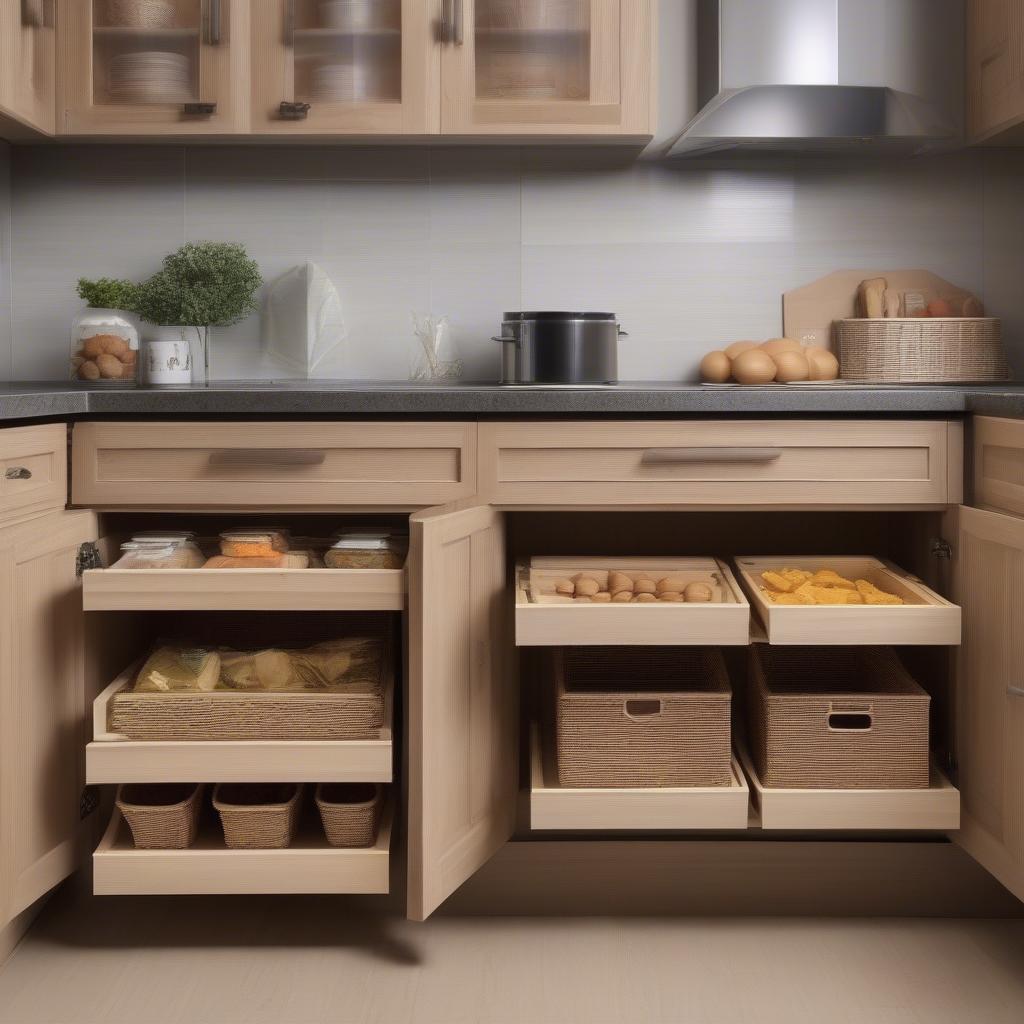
(559, 348)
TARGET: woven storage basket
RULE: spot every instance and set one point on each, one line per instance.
(950, 350)
(642, 716)
(161, 816)
(258, 815)
(836, 718)
(350, 812)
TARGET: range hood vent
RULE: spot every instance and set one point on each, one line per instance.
(825, 75)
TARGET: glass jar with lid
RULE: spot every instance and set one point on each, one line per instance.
(362, 549)
(104, 349)
(158, 554)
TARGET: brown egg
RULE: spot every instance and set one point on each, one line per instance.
(697, 593)
(89, 371)
(644, 598)
(619, 582)
(114, 345)
(715, 368)
(623, 597)
(754, 367)
(565, 587)
(644, 586)
(583, 600)
(822, 363)
(670, 585)
(733, 350)
(602, 597)
(773, 346)
(587, 587)
(670, 596)
(791, 366)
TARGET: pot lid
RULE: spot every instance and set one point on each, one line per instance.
(556, 315)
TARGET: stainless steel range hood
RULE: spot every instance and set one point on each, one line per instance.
(821, 75)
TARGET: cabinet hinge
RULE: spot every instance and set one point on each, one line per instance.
(88, 801)
(88, 558)
(940, 548)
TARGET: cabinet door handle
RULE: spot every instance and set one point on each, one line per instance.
(279, 457)
(682, 456)
(293, 110)
(215, 22)
(1015, 691)
(458, 23)
(18, 473)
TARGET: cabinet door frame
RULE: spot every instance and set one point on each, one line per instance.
(223, 74)
(418, 112)
(623, 73)
(995, 69)
(23, 882)
(983, 662)
(463, 731)
(27, 70)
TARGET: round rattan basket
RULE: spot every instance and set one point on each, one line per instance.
(950, 350)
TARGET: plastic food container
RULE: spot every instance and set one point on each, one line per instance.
(366, 550)
(159, 555)
(164, 537)
(104, 349)
(259, 543)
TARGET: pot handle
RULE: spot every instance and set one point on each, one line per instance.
(623, 334)
(495, 338)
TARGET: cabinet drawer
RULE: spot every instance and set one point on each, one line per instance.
(272, 465)
(33, 471)
(783, 463)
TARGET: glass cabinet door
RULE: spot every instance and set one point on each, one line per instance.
(26, 62)
(152, 66)
(547, 67)
(343, 67)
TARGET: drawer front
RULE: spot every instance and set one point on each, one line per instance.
(999, 464)
(33, 471)
(272, 465)
(728, 463)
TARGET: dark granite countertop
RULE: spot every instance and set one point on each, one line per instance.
(20, 401)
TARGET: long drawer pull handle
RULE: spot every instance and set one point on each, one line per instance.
(18, 473)
(1015, 691)
(672, 456)
(282, 457)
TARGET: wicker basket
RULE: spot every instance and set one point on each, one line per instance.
(836, 718)
(161, 816)
(258, 815)
(350, 812)
(950, 350)
(642, 716)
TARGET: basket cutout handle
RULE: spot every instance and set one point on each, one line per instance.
(849, 720)
(642, 709)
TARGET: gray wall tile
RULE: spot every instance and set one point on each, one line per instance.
(6, 352)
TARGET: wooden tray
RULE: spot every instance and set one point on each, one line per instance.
(544, 619)
(553, 807)
(925, 618)
(935, 809)
(113, 758)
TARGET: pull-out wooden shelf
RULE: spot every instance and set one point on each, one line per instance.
(545, 621)
(309, 865)
(243, 590)
(112, 758)
(935, 809)
(924, 618)
(553, 807)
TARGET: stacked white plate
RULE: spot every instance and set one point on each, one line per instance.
(344, 83)
(361, 15)
(150, 76)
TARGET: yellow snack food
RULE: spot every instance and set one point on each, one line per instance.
(776, 581)
(872, 595)
(830, 578)
(823, 587)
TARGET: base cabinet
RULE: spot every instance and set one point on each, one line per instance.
(43, 706)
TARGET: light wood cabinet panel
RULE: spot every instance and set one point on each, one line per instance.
(42, 706)
(293, 465)
(345, 73)
(27, 67)
(995, 70)
(537, 67)
(33, 471)
(137, 77)
(988, 572)
(779, 463)
(462, 703)
(999, 464)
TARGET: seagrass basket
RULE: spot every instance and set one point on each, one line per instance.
(947, 350)
(350, 812)
(161, 816)
(258, 815)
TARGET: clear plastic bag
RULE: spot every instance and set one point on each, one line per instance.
(433, 355)
(175, 668)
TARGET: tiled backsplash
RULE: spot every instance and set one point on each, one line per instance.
(689, 256)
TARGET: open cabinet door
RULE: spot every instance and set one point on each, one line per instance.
(988, 583)
(43, 706)
(463, 720)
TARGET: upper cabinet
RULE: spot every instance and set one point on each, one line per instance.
(514, 69)
(344, 67)
(995, 70)
(547, 67)
(27, 67)
(152, 67)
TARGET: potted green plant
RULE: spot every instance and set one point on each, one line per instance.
(104, 337)
(202, 285)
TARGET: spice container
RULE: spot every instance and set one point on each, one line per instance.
(159, 555)
(104, 349)
(377, 550)
(260, 543)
